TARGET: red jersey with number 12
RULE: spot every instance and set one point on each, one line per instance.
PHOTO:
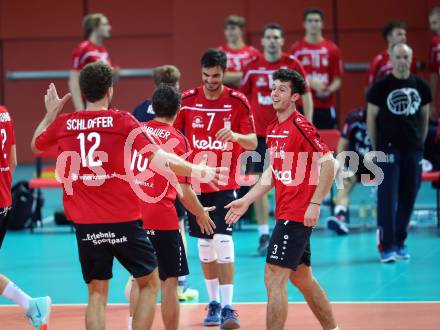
(294, 144)
(96, 140)
(201, 119)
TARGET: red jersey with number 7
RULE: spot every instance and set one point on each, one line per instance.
(201, 119)
(96, 167)
(7, 140)
(295, 146)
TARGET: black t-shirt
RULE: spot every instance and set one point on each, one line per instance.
(400, 121)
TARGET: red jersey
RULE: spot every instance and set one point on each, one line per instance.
(161, 214)
(381, 66)
(87, 52)
(96, 139)
(322, 62)
(257, 86)
(7, 140)
(434, 55)
(201, 119)
(293, 145)
(239, 58)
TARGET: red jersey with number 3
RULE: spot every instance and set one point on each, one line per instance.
(95, 139)
(434, 56)
(381, 66)
(322, 62)
(7, 140)
(294, 146)
(201, 119)
(87, 52)
(257, 86)
(239, 58)
(160, 213)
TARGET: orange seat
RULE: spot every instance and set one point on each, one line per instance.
(39, 183)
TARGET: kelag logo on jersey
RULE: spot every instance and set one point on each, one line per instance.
(198, 122)
(404, 101)
(283, 176)
(209, 144)
(264, 100)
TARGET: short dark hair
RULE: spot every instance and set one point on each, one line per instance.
(272, 26)
(235, 20)
(94, 80)
(212, 58)
(166, 101)
(297, 82)
(166, 74)
(315, 11)
(390, 26)
(91, 22)
(435, 11)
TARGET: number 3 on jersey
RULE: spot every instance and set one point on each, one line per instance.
(3, 137)
(87, 158)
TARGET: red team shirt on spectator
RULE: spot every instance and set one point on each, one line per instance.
(162, 215)
(201, 119)
(381, 66)
(257, 86)
(239, 58)
(434, 56)
(7, 140)
(291, 176)
(91, 135)
(87, 52)
(321, 62)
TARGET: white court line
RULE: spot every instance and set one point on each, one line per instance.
(264, 303)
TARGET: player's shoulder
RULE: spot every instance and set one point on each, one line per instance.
(3, 108)
(330, 44)
(303, 125)
(255, 62)
(190, 93)
(83, 46)
(292, 60)
(356, 115)
(297, 45)
(239, 96)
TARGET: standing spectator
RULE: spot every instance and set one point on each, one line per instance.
(257, 86)
(397, 120)
(322, 62)
(393, 32)
(97, 29)
(238, 53)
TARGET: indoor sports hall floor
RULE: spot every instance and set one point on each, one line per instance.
(367, 294)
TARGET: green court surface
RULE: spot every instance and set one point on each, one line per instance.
(46, 262)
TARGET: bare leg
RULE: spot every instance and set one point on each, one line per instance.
(3, 283)
(134, 296)
(146, 305)
(316, 298)
(225, 273)
(170, 304)
(210, 270)
(95, 312)
(275, 279)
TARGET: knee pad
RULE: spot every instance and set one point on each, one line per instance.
(224, 247)
(206, 250)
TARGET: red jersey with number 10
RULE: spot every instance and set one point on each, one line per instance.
(322, 62)
(294, 144)
(257, 86)
(201, 119)
(239, 58)
(161, 213)
(96, 140)
(7, 140)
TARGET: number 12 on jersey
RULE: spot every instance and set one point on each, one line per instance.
(87, 157)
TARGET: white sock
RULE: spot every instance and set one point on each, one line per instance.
(339, 208)
(14, 293)
(337, 328)
(263, 229)
(226, 292)
(130, 322)
(213, 288)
